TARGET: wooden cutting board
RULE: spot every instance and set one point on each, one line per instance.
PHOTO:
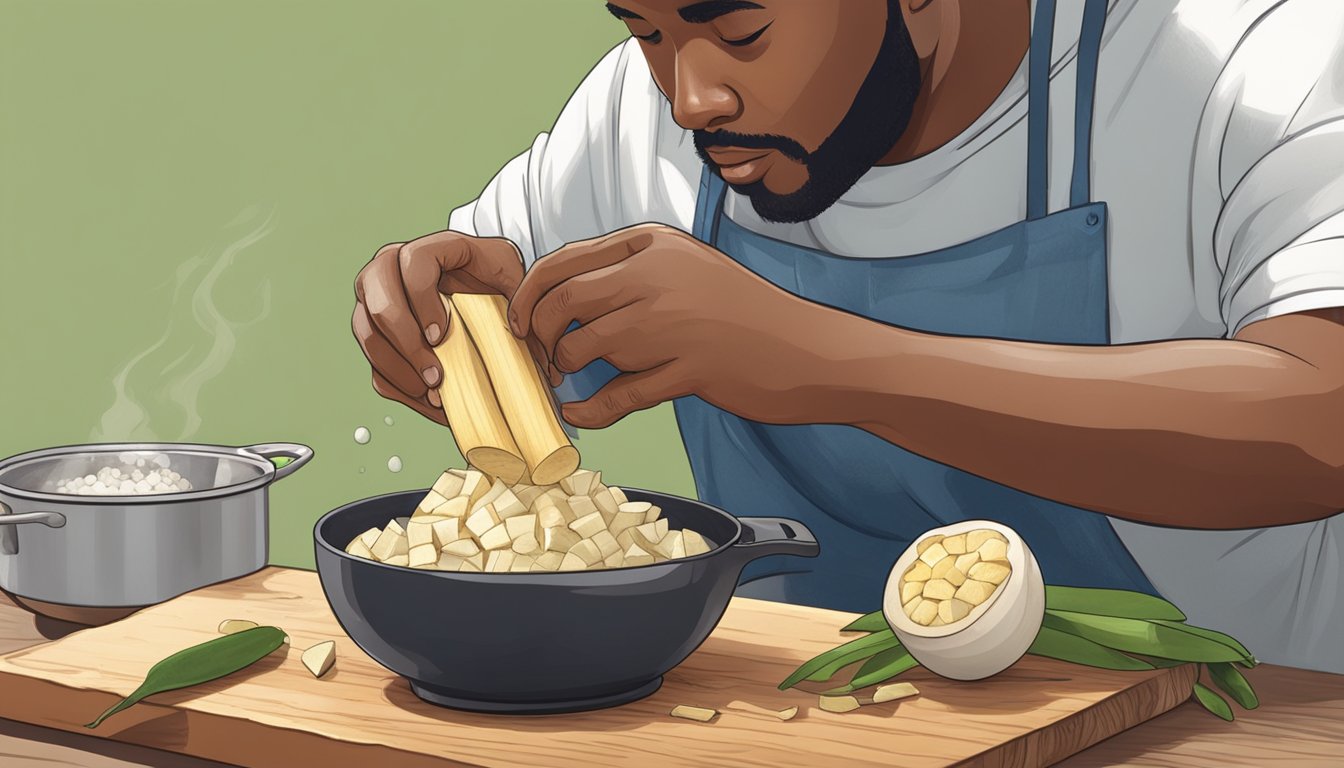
(276, 714)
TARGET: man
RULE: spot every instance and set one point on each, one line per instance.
(905, 263)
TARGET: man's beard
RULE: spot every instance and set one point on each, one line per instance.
(876, 119)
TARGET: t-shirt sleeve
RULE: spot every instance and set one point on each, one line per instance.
(614, 158)
(1274, 154)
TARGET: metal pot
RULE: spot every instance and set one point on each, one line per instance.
(59, 550)
(533, 643)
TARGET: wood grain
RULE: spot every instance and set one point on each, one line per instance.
(30, 746)
(1299, 724)
(1038, 712)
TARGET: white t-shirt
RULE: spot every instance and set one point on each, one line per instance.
(1218, 146)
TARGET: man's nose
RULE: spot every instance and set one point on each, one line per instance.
(701, 99)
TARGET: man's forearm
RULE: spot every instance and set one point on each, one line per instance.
(1198, 433)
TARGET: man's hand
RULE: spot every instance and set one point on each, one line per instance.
(679, 318)
(399, 317)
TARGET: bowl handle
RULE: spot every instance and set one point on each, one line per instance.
(297, 454)
(765, 536)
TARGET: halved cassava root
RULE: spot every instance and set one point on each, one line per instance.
(479, 428)
(521, 399)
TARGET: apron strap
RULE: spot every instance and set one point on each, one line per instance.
(1038, 108)
(1089, 51)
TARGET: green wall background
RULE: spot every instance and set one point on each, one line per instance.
(188, 188)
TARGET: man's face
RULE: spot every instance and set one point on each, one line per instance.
(790, 101)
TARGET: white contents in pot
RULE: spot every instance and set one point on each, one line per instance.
(133, 475)
(362, 435)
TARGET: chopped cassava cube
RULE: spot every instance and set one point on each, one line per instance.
(428, 504)
(454, 507)
(496, 538)
(588, 525)
(559, 539)
(447, 531)
(462, 547)
(695, 543)
(419, 532)
(449, 484)
(481, 520)
(391, 543)
(588, 551)
(359, 549)
(606, 543)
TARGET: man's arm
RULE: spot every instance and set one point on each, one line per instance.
(1210, 433)
(1198, 433)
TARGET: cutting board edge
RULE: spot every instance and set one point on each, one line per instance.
(1045, 746)
(147, 723)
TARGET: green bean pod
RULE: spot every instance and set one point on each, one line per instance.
(824, 666)
(1231, 682)
(1148, 638)
(878, 669)
(1055, 644)
(202, 663)
(1121, 603)
(1213, 702)
(869, 622)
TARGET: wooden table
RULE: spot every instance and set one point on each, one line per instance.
(1300, 723)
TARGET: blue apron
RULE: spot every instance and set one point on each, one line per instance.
(1042, 279)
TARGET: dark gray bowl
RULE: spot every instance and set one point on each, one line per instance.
(540, 643)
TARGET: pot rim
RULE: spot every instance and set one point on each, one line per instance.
(243, 454)
(550, 577)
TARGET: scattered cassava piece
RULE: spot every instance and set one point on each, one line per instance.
(698, 714)
(894, 691)
(320, 657)
(474, 416)
(523, 398)
(839, 704)
(229, 626)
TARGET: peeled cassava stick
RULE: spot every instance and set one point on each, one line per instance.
(474, 416)
(523, 396)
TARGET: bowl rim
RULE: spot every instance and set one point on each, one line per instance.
(553, 576)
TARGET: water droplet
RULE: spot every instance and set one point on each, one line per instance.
(362, 435)
(387, 420)
(361, 470)
(394, 464)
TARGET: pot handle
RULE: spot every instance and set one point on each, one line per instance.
(297, 454)
(765, 536)
(9, 539)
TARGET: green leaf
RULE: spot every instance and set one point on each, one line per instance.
(1213, 702)
(1217, 637)
(1147, 638)
(1055, 644)
(869, 622)
(202, 663)
(1231, 682)
(882, 667)
(825, 666)
(1110, 602)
